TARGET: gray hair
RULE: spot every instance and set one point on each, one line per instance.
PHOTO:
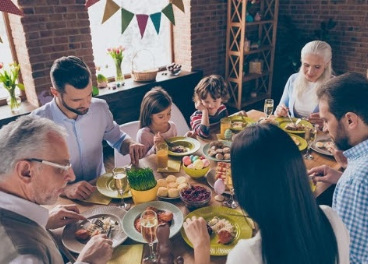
(27, 137)
(322, 49)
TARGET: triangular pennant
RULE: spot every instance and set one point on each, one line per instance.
(126, 17)
(1, 41)
(142, 23)
(169, 13)
(7, 6)
(179, 4)
(110, 8)
(91, 2)
(156, 20)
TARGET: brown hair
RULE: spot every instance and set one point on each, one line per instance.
(214, 85)
(154, 101)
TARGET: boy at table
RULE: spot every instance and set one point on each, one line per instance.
(34, 168)
(88, 122)
(344, 110)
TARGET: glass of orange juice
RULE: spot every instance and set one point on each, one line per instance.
(162, 153)
(225, 125)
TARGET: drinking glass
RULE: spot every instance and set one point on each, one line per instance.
(149, 223)
(310, 136)
(268, 107)
(231, 203)
(162, 153)
(121, 182)
(225, 124)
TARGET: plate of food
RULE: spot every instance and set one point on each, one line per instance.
(218, 150)
(239, 122)
(226, 227)
(105, 185)
(321, 145)
(221, 172)
(182, 146)
(291, 127)
(76, 235)
(166, 212)
(299, 141)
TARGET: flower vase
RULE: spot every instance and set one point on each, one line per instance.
(119, 76)
(14, 102)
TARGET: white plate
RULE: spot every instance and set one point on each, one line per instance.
(132, 214)
(194, 145)
(207, 146)
(322, 150)
(118, 236)
(211, 178)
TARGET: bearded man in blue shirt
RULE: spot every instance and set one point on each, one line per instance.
(88, 122)
(344, 110)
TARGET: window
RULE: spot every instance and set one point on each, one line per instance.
(109, 35)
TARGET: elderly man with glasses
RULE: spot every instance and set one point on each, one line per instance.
(34, 170)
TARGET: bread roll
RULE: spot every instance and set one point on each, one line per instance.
(181, 179)
(171, 178)
(182, 186)
(172, 185)
(173, 192)
(161, 183)
(162, 191)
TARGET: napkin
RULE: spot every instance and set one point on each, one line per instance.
(98, 198)
(172, 166)
(127, 254)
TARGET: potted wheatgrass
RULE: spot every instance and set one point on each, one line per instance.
(143, 185)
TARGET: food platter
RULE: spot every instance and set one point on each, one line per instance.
(132, 214)
(208, 146)
(240, 223)
(117, 235)
(191, 145)
(284, 121)
(302, 142)
(322, 150)
(106, 186)
(239, 122)
(211, 179)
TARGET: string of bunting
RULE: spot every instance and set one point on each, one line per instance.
(7, 6)
(142, 19)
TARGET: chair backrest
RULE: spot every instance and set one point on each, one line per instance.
(179, 120)
(131, 128)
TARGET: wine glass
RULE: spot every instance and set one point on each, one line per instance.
(268, 107)
(120, 179)
(149, 223)
(231, 203)
(310, 136)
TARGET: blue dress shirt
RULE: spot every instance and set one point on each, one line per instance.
(85, 136)
(350, 201)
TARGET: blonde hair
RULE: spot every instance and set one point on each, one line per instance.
(322, 49)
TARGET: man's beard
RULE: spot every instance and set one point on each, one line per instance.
(341, 140)
(76, 111)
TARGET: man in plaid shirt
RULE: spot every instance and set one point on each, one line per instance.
(344, 109)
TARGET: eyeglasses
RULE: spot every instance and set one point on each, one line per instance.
(53, 164)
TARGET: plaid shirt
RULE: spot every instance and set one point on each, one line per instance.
(350, 201)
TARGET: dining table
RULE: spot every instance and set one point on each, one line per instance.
(179, 246)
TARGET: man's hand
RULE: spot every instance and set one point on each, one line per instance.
(339, 156)
(62, 215)
(80, 190)
(324, 174)
(281, 110)
(136, 152)
(98, 250)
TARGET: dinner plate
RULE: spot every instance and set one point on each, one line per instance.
(117, 236)
(283, 121)
(242, 119)
(322, 150)
(303, 143)
(106, 186)
(243, 230)
(207, 147)
(132, 214)
(211, 179)
(192, 145)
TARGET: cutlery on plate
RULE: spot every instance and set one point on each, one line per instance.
(108, 234)
(169, 143)
(249, 220)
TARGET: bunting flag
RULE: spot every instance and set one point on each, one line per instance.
(142, 23)
(110, 8)
(7, 6)
(1, 41)
(169, 13)
(156, 20)
(90, 2)
(126, 17)
(179, 4)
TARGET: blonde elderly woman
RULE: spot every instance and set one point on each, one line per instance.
(299, 96)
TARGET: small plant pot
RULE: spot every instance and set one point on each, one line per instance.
(144, 196)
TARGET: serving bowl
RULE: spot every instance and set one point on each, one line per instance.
(196, 174)
(195, 196)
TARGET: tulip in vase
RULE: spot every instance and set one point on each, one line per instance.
(117, 56)
(9, 80)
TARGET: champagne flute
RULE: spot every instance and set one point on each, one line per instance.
(231, 203)
(120, 179)
(268, 107)
(310, 136)
(149, 223)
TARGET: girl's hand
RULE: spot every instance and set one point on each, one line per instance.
(199, 106)
(281, 110)
(157, 139)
